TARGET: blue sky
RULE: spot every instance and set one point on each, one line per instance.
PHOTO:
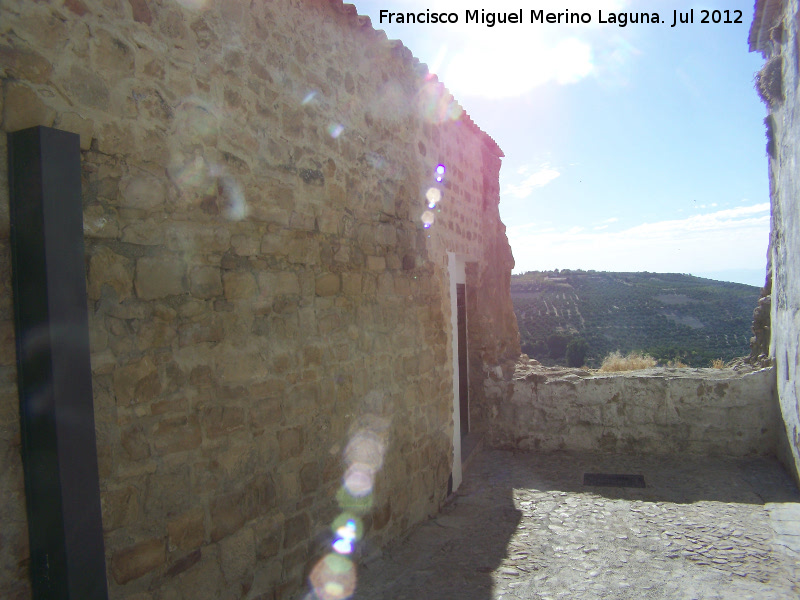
(637, 148)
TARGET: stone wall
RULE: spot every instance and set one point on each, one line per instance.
(268, 313)
(654, 411)
(776, 34)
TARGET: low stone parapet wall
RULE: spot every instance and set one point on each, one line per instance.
(658, 411)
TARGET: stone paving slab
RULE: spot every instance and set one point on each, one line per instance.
(524, 527)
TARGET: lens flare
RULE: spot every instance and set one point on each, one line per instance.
(235, 206)
(365, 448)
(436, 104)
(333, 578)
(433, 195)
(352, 503)
(343, 546)
(193, 4)
(309, 97)
(427, 219)
(359, 479)
(335, 130)
(440, 169)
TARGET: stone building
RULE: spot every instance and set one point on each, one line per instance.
(273, 274)
(285, 303)
(775, 33)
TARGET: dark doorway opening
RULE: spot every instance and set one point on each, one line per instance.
(463, 375)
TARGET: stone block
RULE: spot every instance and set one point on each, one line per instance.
(279, 284)
(106, 268)
(137, 560)
(134, 442)
(208, 330)
(239, 286)
(312, 355)
(197, 238)
(327, 285)
(309, 477)
(219, 421)
(160, 278)
(266, 414)
(328, 324)
(143, 191)
(99, 222)
(186, 531)
(203, 580)
(351, 284)
(302, 221)
(393, 261)
(238, 555)
(155, 334)
(385, 284)
(242, 368)
(303, 251)
(402, 285)
(136, 382)
(86, 88)
(110, 54)
(184, 563)
(291, 443)
(376, 263)
(381, 516)
(149, 232)
(75, 123)
(267, 388)
(25, 65)
(245, 245)
(296, 531)
(230, 511)
(269, 540)
(177, 434)
(227, 515)
(205, 282)
(120, 507)
(23, 108)
(329, 222)
(386, 235)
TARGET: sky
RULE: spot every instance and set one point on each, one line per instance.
(636, 148)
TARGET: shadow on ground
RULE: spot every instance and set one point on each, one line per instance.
(523, 526)
(451, 556)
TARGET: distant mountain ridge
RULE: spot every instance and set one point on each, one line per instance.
(668, 315)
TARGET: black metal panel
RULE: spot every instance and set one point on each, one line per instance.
(59, 450)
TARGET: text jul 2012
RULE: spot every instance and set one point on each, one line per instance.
(620, 19)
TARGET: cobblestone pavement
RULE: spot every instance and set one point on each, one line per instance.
(523, 526)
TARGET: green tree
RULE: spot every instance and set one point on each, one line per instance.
(576, 352)
(557, 345)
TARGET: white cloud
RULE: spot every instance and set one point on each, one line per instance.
(540, 178)
(508, 60)
(726, 239)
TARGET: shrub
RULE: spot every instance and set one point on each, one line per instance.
(677, 364)
(576, 352)
(632, 362)
(718, 363)
(557, 345)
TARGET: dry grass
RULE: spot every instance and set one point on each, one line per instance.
(717, 363)
(632, 362)
(677, 364)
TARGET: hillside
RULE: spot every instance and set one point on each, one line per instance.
(667, 315)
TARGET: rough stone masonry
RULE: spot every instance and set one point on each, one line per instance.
(262, 288)
(776, 34)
